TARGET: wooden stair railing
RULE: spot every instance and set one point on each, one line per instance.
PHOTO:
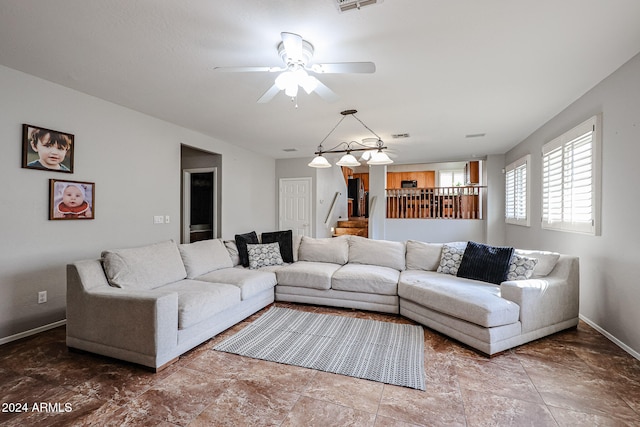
(435, 202)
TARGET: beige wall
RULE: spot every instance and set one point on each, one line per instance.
(609, 268)
(134, 161)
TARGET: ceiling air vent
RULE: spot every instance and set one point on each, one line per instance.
(345, 5)
(289, 150)
(400, 135)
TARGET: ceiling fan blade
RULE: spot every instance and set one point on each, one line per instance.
(293, 46)
(344, 67)
(325, 93)
(248, 69)
(269, 95)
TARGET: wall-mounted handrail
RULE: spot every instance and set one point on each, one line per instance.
(327, 221)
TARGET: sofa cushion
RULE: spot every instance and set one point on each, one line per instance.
(242, 240)
(451, 257)
(485, 263)
(334, 250)
(470, 300)
(423, 256)
(204, 256)
(370, 279)
(284, 240)
(250, 282)
(384, 253)
(521, 267)
(307, 274)
(546, 260)
(145, 267)
(264, 255)
(198, 301)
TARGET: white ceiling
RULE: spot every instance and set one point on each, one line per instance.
(445, 69)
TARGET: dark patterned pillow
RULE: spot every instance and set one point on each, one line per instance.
(485, 263)
(284, 239)
(242, 240)
(264, 255)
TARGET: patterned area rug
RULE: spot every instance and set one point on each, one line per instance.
(379, 351)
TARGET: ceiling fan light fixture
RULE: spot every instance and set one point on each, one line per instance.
(309, 84)
(291, 90)
(319, 162)
(284, 80)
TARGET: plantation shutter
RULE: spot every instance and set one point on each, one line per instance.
(516, 197)
(568, 181)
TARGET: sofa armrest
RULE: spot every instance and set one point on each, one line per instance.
(547, 300)
(140, 321)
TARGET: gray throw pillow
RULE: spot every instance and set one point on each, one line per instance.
(521, 267)
(264, 255)
(451, 257)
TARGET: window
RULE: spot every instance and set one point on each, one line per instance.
(570, 180)
(451, 178)
(517, 192)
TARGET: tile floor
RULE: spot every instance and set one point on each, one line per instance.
(574, 378)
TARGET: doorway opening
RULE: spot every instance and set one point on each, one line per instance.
(200, 195)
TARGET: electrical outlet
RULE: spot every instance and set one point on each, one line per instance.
(167, 219)
(158, 219)
(42, 297)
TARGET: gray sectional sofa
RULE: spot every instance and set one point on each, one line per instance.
(148, 305)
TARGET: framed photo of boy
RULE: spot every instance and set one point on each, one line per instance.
(71, 199)
(47, 149)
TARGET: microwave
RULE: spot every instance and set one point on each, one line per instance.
(409, 183)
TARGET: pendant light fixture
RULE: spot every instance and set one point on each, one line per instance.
(373, 147)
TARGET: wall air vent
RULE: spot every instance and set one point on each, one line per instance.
(345, 5)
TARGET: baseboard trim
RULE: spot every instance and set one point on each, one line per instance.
(34, 331)
(613, 339)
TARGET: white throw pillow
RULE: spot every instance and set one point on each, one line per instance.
(232, 248)
(204, 256)
(384, 253)
(264, 255)
(546, 260)
(451, 257)
(423, 256)
(333, 249)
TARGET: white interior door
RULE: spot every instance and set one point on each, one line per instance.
(295, 205)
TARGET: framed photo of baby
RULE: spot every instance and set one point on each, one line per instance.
(47, 149)
(71, 199)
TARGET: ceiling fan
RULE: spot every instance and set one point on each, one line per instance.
(296, 54)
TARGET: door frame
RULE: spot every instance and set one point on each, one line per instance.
(309, 203)
(186, 201)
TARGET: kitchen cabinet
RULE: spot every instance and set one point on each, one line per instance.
(472, 173)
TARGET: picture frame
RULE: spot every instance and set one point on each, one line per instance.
(47, 149)
(70, 200)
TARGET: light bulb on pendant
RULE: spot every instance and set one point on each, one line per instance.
(348, 160)
(319, 161)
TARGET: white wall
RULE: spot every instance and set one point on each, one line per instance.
(494, 203)
(134, 161)
(609, 267)
(435, 230)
